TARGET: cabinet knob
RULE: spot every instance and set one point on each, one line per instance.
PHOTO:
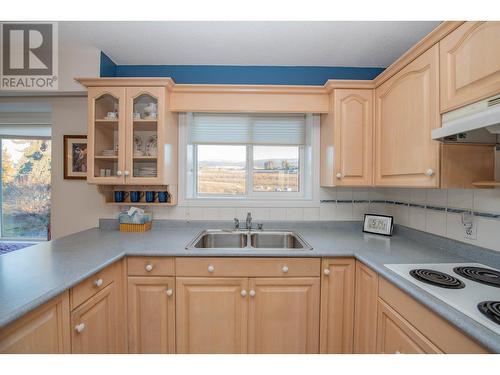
(149, 267)
(284, 269)
(338, 175)
(80, 327)
(98, 283)
(429, 172)
(252, 293)
(243, 293)
(326, 272)
(126, 173)
(397, 352)
(118, 173)
(211, 268)
(170, 292)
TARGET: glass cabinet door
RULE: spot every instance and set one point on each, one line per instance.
(145, 107)
(106, 151)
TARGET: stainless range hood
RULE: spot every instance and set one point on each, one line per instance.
(477, 123)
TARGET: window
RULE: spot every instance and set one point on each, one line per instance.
(26, 172)
(242, 156)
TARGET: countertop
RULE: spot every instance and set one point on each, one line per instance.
(34, 275)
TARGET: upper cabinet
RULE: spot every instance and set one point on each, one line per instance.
(407, 109)
(347, 139)
(132, 137)
(470, 64)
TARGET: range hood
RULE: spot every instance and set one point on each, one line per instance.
(477, 122)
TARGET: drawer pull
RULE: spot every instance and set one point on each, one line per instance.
(252, 293)
(211, 268)
(284, 269)
(149, 267)
(326, 272)
(80, 327)
(243, 293)
(98, 283)
(170, 292)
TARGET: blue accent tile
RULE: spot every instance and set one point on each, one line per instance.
(415, 205)
(344, 201)
(487, 215)
(436, 208)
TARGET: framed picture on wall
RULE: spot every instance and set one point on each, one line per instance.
(75, 157)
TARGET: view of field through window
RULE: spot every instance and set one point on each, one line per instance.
(25, 188)
(222, 169)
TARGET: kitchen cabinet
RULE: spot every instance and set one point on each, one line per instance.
(151, 315)
(407, 109)
(347, 139)
(98, 313)
(397, 336)
(365, 310)
(469, 64)
(337, 305)
(132, 137)
(283, 315)
(42, 331)
(211, 315)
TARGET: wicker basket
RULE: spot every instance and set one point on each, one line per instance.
(135, 227)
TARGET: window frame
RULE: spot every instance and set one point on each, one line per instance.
(308, 169)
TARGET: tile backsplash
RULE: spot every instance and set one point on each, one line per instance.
(437, 211)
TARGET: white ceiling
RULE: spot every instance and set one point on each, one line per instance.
(332, 43)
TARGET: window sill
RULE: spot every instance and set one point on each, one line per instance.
(264, 202)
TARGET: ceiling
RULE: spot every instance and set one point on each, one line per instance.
(332, 43)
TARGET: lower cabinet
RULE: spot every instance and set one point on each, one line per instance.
(396, 335)
(283, 315)
(247, 315)
(93, 324)
(151, 315)
(337, 305)
(42, 331)
(211, 315)
(365, 310)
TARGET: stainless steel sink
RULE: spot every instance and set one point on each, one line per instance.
(244, 239)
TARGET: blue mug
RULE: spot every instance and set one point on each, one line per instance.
(135, 196)
(120, 196)
(163, 196)
(150, 196)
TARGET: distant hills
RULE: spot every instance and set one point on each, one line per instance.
(260, 164)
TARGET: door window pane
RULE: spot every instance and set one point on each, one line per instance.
(25, 188)
(221, 170)
(276, 169)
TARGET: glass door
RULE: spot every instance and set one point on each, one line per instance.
(145, 110)
(106, 136)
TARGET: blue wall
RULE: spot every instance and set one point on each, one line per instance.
(229, 74)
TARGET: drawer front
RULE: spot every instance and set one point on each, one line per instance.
(150, 266)
(91, 285)
(247, 267)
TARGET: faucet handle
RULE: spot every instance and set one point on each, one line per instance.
(260, 226)
(236, 223)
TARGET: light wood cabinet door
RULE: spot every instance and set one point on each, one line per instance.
(211, 315)
(337, 305)
(42, 331)
(397, 336)
(365, 310)
(470, 64)
(151, 315)
(353, 145)
(283, 315)
(105, 134)
(407, 110)
(95, 325)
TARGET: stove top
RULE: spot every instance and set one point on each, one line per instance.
(471, 288)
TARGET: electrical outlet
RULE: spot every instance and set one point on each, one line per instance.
(469, 226)
(470, 232)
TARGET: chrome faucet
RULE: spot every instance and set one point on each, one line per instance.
(249, 221)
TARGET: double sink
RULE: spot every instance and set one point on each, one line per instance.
(248, 239)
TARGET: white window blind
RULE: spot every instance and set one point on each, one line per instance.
(261, 129)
